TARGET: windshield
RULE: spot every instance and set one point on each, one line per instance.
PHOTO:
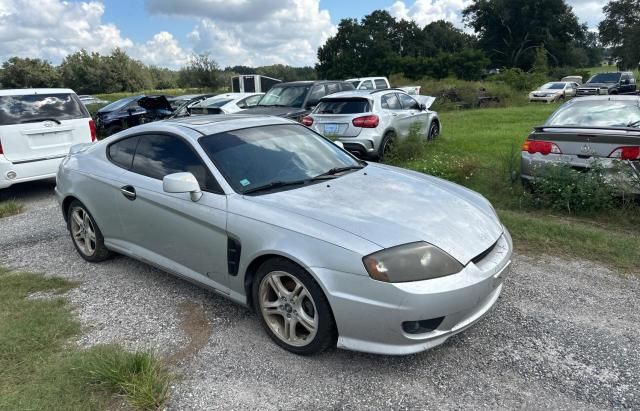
(290, 96)
(598, 114)
(605, 78)
(39, 107)
(342, 106)
(552, 86)
(117, 105)
(254, 157)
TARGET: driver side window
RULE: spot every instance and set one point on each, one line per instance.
(317, 92)
(158, 155)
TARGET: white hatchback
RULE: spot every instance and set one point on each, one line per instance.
(37, 128)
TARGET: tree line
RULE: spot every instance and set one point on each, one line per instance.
(88, 73)
(506, 34)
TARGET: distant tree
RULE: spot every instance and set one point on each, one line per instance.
(201, 71)
(510, 30)
(469, 64)
(447, 38)
(541, 62)
(620, 30)
(26, 72)
(163, 78)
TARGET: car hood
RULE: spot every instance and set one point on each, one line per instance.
(389, 206)
(275, 111)
(549, 91)
(597, 85)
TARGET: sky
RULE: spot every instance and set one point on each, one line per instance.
(234, 32)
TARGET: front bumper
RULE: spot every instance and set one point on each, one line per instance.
(369, 314)
(532, 165)
(27, 171)
(545, 99)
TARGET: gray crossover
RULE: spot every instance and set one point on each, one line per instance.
(326, 248)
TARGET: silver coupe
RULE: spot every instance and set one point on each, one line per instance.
(326, 248)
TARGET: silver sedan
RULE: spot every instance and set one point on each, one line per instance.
(327, 249)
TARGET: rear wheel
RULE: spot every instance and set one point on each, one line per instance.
(86, 236)
(292, 308)
(434, 130)
(386, 147)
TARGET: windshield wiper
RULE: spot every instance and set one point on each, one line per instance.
(38, 120)
(337, 170)
(275, 184)
(634, 123)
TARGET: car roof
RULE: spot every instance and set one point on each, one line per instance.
(608, 97)
(361, 93)
(30, 91)
(214, 123)
(307, 82)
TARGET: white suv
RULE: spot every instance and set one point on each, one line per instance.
(37, 128)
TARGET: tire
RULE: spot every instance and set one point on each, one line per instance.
(434, 130)
(85, 234)
(279, 306)
(386, 146)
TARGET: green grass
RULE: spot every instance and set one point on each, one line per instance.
(481, 150)
(41, 369)
(8, 208)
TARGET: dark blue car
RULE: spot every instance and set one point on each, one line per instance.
(131, 111)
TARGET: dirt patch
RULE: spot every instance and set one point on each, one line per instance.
(195, 324)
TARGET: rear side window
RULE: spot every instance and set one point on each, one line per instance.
(159, 155)
(343, 106)
(391, 102)
(40, 107)
(408, 102)
(121, 152)
(333, 88)
(381, 84)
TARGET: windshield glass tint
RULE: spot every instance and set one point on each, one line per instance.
(292, 96)
(597, 114)
(117, 105)
(605, 78)
(31, 108)
(553, 86)
(253, 157)
(342, 106)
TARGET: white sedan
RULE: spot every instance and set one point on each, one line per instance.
(554, 91)
(227, 103)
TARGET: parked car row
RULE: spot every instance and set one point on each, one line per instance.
(599, 84)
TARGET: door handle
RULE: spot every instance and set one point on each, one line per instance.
(394, 114)
(129, 192)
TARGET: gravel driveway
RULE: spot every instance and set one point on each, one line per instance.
(564, 335)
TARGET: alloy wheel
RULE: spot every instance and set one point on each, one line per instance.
(83, 231)
(288, 308)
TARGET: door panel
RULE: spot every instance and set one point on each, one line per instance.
(190, 234)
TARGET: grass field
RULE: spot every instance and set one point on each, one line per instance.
(41, 369)
(480, 149)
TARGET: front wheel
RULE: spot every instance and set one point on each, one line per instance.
(86, 236)
(292, 308)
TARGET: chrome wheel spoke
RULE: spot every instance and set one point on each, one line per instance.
(288, 308)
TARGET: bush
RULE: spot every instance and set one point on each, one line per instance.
(414, 146)
(562, 188)
(520, 80)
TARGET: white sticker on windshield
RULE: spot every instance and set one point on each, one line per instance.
(244, 182)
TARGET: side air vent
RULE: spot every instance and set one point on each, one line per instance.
(233, 255)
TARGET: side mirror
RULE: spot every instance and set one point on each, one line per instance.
(131, 111)
(182, 183)
(423, 107)
(339, 144)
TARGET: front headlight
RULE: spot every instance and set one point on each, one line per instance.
(410, 262)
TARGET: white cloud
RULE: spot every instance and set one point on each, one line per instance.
(52, 29)
(588, 11)
(243, 32)
(162, 50)
(424, 12)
